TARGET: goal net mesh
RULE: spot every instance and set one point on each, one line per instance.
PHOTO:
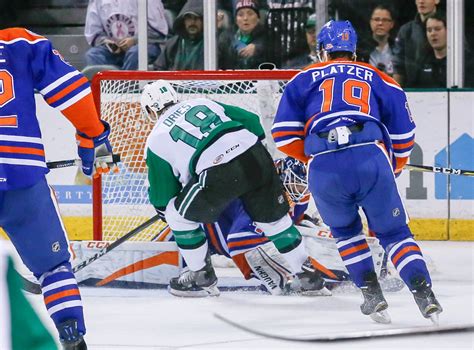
(124, 198)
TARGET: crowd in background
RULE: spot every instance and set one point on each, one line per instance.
(406, 39)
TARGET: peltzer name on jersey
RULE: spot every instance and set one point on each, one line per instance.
(359, 72)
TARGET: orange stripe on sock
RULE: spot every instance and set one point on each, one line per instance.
(169, 258)
(404, 251)
(322, 268)
(66, 90)
(357, 248)
(59, 295)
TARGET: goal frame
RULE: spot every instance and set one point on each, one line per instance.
(167, 75)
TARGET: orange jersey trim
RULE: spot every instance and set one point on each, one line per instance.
(15, 33)
(403, 145)
(67, 90)
(285, 133)
(214, 239)
(9, 121)
(295, 150)
(84, 117)
(400, 164)
(22, 150)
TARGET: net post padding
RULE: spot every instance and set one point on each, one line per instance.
(122, 203)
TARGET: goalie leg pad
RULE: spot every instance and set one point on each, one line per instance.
(269, 266)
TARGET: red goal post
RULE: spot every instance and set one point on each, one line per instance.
(120, 201)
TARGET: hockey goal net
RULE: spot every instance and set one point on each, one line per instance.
(120, 201)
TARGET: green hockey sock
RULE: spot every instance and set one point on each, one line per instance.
(190, 239)
(286, 240)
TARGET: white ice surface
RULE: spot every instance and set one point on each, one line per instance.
(150, 319)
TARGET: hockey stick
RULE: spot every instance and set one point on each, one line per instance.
(115, 158)
(35, 288)
(438, 169)
(357, 335)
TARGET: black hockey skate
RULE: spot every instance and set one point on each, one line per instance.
(69, 336)
(309, 282)
(374, 304)
(195, 284)
(426, 300)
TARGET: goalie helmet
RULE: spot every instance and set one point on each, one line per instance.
(336, 36)
(155, 97)
(293, 175)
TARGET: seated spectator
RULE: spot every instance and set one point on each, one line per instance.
(185, 50)
(432, 67)
(309, 57)
(111, 30)
(377, 50)
(246, 48)
(411, 44)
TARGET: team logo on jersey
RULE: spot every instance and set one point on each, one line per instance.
(56, 52)
(218, 159)
(56, 247)
(120, 26)
(395, 212)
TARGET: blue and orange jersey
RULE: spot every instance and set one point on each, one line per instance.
(341, 92)
(28, 62)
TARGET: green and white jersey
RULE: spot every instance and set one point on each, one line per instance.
(20, 327)
(192, 136)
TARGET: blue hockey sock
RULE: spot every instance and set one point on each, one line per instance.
(357, 257)
(407, 258)
(62, 297)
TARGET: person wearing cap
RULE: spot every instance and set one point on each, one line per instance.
(185, 50)
(310, 57)
(244, 49)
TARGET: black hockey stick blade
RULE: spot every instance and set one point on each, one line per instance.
(356, 335)
(77, 162)
(438, 169)
(30, 286)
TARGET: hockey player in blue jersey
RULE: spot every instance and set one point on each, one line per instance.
(28, 209)
(352, 123)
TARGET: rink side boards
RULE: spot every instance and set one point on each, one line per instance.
(440, 206)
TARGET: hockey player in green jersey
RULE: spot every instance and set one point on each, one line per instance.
(201, 155)
(20, 326)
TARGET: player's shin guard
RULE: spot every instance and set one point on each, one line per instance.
(62, 298)
(357, 258)
(287, 240)
(193, 247)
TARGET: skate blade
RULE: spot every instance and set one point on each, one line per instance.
(211, 291)
(324, 292)
(381, 317)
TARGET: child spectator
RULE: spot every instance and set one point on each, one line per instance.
(246, 48)
(111, 30)
(185, 50)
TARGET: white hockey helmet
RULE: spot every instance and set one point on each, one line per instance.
(155, 97)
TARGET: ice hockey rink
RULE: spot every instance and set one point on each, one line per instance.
(153, 319)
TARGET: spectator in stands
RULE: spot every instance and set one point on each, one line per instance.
(246, 48)
(432, 67)
(377, 49)
(309, 57)
(411, 44)
(111, 30)
(185, 50)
